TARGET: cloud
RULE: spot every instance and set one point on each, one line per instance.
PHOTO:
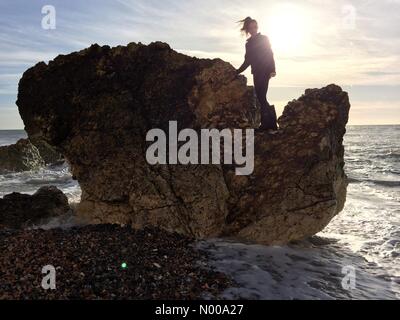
(383, 112)
(381, 73)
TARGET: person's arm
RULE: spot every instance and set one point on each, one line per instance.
(273, 64)
(245, 64)
(243, 67)
(271, 57)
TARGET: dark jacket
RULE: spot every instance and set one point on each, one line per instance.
(259, 55)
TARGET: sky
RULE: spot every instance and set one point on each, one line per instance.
(354, 43)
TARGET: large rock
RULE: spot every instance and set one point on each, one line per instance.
(97, 105)
(19, 210)
(299, 183)
(21, 156)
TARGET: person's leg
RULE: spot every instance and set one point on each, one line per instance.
(271, 122)
(261, 82)
(274, 122)
(265, 88)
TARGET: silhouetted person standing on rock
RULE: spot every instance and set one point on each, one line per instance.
(260, 57)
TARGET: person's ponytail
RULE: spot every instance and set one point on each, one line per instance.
(245, 24)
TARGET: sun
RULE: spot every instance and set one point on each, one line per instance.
(287, 28)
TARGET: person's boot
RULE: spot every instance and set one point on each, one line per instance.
(264, 119)
(268, 119)
(274, 121)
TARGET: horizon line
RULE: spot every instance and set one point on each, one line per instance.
(348, 125)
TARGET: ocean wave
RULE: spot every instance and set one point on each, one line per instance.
(353, 180)
(30, 181)
(386, 155)
(378, 182)
(303, 271)
(386, 183)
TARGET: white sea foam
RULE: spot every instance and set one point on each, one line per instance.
(303, 271)
(30, 181)
(366, 235)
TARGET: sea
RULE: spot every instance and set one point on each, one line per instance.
(357, 256)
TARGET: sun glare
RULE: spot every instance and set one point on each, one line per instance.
(287, 28)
